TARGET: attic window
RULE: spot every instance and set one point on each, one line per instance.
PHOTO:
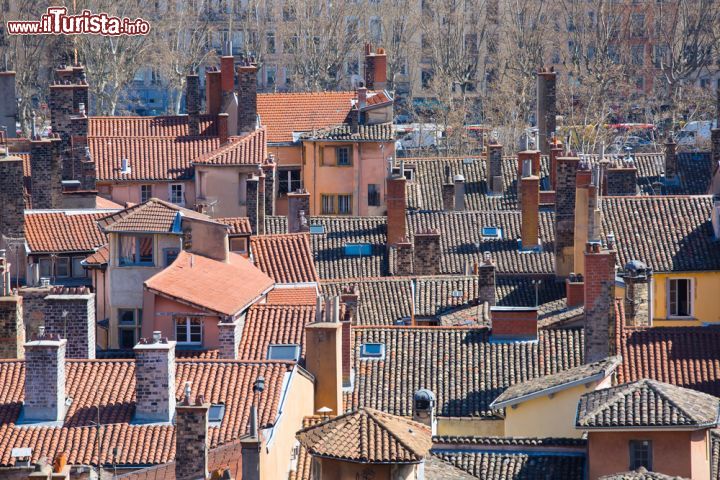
(358, 249)
(372, 351)
(284, 352)
(457, 293)
(317, 229)
(216, 413)
(492, 232)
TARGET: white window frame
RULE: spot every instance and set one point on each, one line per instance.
(188, 321)
(294, 346)
(182, 193)
(364, 355)
(691, 298)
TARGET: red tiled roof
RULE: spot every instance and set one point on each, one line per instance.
(238, 225)
(292, 296)
(149, 158)
(287, 258)
(64, 231)
(110, 385)
(225, 288)
(152, 216)
(99, 258)
(250, 149)
(131, 126)
(101, 202)
(285, 113)
(267, 325)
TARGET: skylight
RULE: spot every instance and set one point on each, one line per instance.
(216, 413)
(358, 249)
(492, 232)
(317, 229)
(372, 350)
(284, 352)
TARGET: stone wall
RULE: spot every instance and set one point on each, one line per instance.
(427, 253)
(155, 381)
(229, 335)
(47, 173)
(12, 329)
(247, 98)
(45, 379)
(252, 202)
(72, 317)
(599, 302)
(191, 449)
(12, 200)
(565, 215)
(621, 181)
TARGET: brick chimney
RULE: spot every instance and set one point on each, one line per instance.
(585, 218)
(154, 380)
(72, 316)
(556, 151)
(213, 91)
(495, 169)
(565, 215)
(191, 444)
(351, 299)
(222, 127)
(67, 95)
(8, 103)
(637, 277)
(247, 98)
(427, 253)
(396, 206)
(229, 334)
(298, 209)
(323, 358)
(229, 99)
(12, 199)
(529, 205)
(404, 253)
(671, 161)
(83, 165)
(252, 447)
(253, 202)
(621, 178)
(12, 328)
(459, 184)
(448, 197)
(599, 302)
(575, 290)
(514, 323)
(375, 68)
(46, 166)
(44, 379)
(486, 280)
(534, 157)
(269, 169)
(192, 103)
(546, 107)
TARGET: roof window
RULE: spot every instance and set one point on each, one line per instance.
(358, 249)
(492, 232)
(372, 351)
(284, 352)
(216, 413)
(317, 229)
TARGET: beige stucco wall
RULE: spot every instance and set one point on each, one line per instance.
(470, 426)
(227, 186)
(130, 191)
(207, 239)
(158, 316)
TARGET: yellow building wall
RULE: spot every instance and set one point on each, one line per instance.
(547, 416)
(706, 304)
(463, 426)
(285, 156)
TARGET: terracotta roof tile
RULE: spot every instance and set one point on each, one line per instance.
(63, 231)
(286, 258)
(99, 258)
(238, 225)
(133, 126)
(438, 469)
(366, 133)
(368, 436)
(304, 462)
(250, 149)
(267, 325)
(101, 202)
(225, 288)
(516, 465)
(292, 296)
(154, 215)
(640, 474)
(646, 404)
(285, 113)
(110, 384)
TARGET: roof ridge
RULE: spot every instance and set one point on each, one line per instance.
(617, 395)
(377, 416)
(658, 388)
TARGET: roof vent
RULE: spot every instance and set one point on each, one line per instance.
(424, 405)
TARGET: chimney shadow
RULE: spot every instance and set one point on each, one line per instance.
(113, 413)
(694, 248)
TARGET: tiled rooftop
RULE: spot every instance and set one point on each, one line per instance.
(224, 288)
(286, 258)
(238, 225)
(99, 258)
(133, 126)
(110, 385)
(640, 474)
(267, 325)
(153, 216)
(366, 133)
(64, 231)
(464, 369)
(250, 149)
(292, 296)
(517, 465)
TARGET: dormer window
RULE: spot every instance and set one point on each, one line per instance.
(289, 352)
(492, 233)
(135, 250)
(372, 351)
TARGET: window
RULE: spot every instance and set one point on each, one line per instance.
(345, 204)
(426, 77)
(372, 350)
(45, 267)
(145, 193)
(640, 454)
(177, 193)
(270, 41)
(373, 195)
(188, 330)
(62, 266)
(638, 55)
(238, 244)
(638, 25)
(358, 249)
(284, 352)
(342, 156)
(328, 204)
(270, 76)
(680, 297)
(170, 255)
(216, 413)
(376, 29)
(129, 323)
(77, 269)
(352, 67)
(289, 180)
(136, 250)
(317, 229)
(492, 232)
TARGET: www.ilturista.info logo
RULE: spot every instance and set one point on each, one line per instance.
(57, 22)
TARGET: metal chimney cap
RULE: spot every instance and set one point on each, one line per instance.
(459, 178)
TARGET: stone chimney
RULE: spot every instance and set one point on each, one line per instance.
(213, 91)
(229, 100)
(448, 197)
(495, 169)
(556, 151)
(621, 179)
(222, 127)
(154, 380)
(82, 163)
(637, 294)
(565, 215)
(253, 203)
(247, 98)
(298, 208)
(427, 253)
(671, 160)
(375, 68)
(585, 205)
(191, 444)
(546, 107)
(252, 446)
(486, 280)
(425, 409)
(229, 334)
(12, 199)
(72, 316)
(192, 103)
(12, 328)
(599, 302)
(514, 323)
(404, 253)
(575, 290)
(44, 379)
(323, 358)
(534, 157)
(46, 166)
(351, 299)
(530, 207)
(459, 184)
(8, 103)
(396, 207)
(67, 95)
(269, 170)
